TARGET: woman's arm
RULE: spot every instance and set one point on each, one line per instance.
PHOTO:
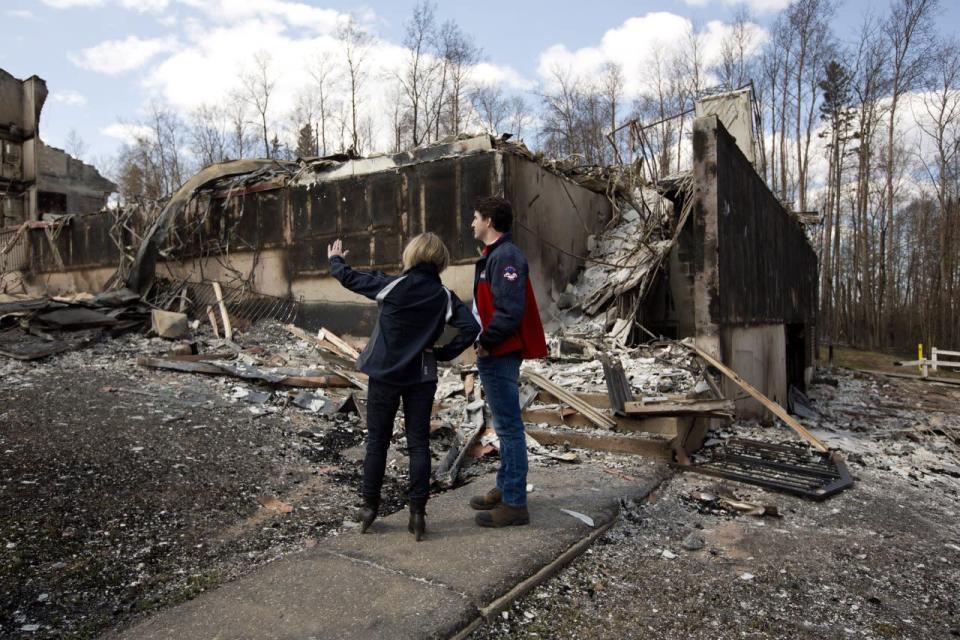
(468, 330)
(366, 283)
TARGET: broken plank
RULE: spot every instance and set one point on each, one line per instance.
(775, 408)
(665, 425)
(335, 340)
(199, 357)
(597, 400)
(316, 382)
(568, 398)
(248, 373)
(320, 343)
(702, 407)
(212, 317)
(611, 443)
(227, 327)
(662, 425)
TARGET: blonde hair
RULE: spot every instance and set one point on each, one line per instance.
(426, 247)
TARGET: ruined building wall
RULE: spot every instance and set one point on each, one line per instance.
(20, 105)
(278, 236)
(67, 185)
(755, 273)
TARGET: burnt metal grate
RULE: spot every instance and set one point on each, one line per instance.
(788, 468)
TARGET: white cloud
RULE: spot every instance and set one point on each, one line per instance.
(295, 14)
(69, 4)
(487, 74)
(23, 14)
(756, 6)
(636, 45)
(760, 6)
(69, 97)
(145, 6)
(126, 132)
(117, 56)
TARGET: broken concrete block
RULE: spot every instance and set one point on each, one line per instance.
(168, 324)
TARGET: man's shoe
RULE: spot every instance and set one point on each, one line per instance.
(487, 501)
(417, 524)
(503, 515)
(368, 513)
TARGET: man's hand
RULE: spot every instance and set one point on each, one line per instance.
(482, 351)
(336, 249)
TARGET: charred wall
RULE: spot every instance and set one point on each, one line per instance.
(279, 235)
(768, 270)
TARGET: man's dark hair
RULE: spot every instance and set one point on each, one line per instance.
(496, 209)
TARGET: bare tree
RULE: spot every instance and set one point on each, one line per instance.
(238, 120)
(75, 145)
(421, 68)
(258, 85)
(356, 43)
(491, 105)
(611, 88)
(520, 115)
(459, 55)
(735, 50)
(208, 134)
(908, 31)
(325, 78)
(941, 126)
(808, 20)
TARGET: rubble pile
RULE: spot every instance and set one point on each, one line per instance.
(623, 262)
(654, 370)
(32, 328)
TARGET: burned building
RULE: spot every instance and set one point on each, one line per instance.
(732, 268)
(20, 104)
(36, 179)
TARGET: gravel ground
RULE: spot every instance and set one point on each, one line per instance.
(880, 560)
(125, 489)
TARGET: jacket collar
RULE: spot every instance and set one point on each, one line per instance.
(488, 249)
(425, 268)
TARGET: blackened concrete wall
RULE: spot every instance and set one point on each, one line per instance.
(277, 237)
(755, 272)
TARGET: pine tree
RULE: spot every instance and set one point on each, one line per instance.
(306, 143)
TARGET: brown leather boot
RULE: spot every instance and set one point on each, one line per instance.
(503, 515)
(487, 501)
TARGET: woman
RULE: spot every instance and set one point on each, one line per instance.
(401, 361)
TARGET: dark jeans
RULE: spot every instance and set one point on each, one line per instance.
(383, 400)
(500, 378)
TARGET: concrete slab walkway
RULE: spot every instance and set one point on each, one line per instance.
(385, 584)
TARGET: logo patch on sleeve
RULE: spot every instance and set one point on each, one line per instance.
(510, 274)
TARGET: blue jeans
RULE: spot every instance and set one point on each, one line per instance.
(500, 379)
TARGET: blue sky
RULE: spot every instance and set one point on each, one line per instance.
(103, 60)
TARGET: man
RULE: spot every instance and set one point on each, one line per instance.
(506, 308)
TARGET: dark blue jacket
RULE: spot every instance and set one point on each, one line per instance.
(414, 309)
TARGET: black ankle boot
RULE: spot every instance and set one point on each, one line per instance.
(417, 524)
(368, 513)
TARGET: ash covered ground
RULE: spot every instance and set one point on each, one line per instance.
(125, 489)
(880, 560)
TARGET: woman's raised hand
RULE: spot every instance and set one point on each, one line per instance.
(336, 249)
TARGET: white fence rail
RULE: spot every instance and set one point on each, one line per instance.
(934, 362)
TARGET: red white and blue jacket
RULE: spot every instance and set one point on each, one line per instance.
(505, 304)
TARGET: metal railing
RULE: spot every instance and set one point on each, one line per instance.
(14, 249)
